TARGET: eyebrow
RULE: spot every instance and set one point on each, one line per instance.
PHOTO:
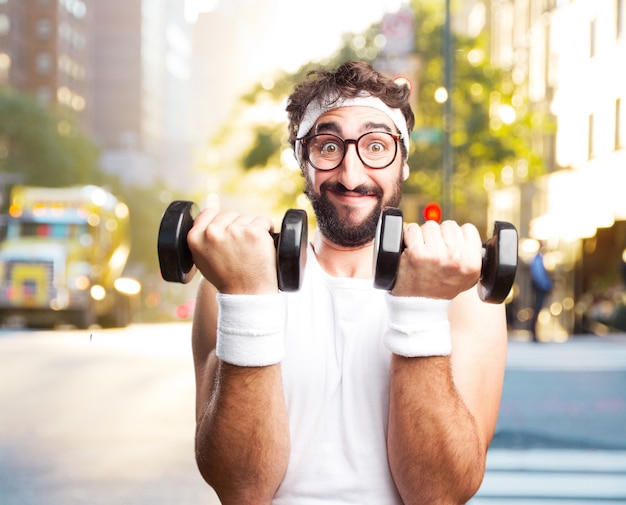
(332, 126)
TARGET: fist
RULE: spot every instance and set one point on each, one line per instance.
(235, 253)
(439, 260)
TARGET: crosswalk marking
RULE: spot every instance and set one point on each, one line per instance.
(539, 476)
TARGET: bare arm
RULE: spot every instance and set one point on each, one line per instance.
(242, 434)
(443, 409)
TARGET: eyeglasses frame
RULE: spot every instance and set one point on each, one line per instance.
(396, 136)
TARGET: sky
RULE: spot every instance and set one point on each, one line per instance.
(295, 31)
(272, 35)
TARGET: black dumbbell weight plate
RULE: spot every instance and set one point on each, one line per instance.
(499, 263)
(175, 259)
(387, 248)
(291, 250)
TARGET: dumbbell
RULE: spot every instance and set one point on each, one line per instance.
(499, 257)
(177, 265)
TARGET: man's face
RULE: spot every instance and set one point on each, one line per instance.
(348, 199)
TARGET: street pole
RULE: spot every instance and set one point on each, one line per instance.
(447, 119)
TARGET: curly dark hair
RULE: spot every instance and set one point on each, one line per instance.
(347, 81)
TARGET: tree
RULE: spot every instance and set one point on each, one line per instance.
(491, 131)
(43, 146)
(491, 127)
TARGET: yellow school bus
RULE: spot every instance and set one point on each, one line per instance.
(63, 258)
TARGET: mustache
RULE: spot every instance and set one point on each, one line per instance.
(363, 189)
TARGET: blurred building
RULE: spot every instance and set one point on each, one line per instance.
(123, 66)
(45, 50)
(141, 81)
(216, 73)
(567, 57)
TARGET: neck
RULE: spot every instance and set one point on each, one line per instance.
(339, 261)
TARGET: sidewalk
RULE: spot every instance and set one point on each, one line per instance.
(579, 353)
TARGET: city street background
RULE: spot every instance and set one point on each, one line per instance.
(146, 97)
(107, 417)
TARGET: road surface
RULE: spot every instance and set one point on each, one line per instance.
(107, 418)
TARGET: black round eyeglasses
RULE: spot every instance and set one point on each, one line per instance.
(326, 151)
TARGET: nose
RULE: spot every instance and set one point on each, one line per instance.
(352, 172)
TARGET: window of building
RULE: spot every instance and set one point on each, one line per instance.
(549, 5)
(44, 29)
(618, 124)
(592, 38)
(77, 8)
(5, 24)
(44, 95)
(590, 146)
(5, 66)
(43, 63)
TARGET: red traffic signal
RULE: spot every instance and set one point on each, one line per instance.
(432, 212)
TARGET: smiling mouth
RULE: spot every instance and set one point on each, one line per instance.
(360, 191)
(352, 200)
(353, 194)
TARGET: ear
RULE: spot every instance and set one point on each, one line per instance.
(405, 171)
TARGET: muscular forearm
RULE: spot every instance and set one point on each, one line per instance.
(242, 439)
(435, 450)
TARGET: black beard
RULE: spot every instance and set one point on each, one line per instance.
(336, 229)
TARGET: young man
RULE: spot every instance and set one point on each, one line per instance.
(342, 393)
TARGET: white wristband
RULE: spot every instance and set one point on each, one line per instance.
(251, 329)
(417, 326)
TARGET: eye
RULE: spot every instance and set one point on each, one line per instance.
(376, 147)
(375, 144)
(329, 146)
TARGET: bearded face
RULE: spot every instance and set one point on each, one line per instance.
(344, 231)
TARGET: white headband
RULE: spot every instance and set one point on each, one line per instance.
(318, 107)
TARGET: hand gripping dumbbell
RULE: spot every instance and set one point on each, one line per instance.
(177, 265)
(499, 257)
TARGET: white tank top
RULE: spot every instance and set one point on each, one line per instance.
(336, 382)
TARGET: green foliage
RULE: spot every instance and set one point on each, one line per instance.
(266, 144)
(42, 146)
(45, 148)
(482, 144)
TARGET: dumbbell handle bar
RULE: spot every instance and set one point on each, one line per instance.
(176, 262)
(498, 266)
